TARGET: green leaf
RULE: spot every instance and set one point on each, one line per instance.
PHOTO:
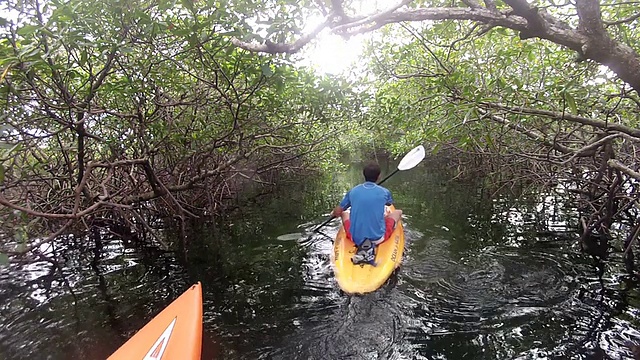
(4, 259)
(571, 103)
(27, 30)
(489, 141)
(189, 5)
(83, 57)
(167, 4)
(436, 148)
(266, 70)
(1, 173)
(230, 33)
(29, 52)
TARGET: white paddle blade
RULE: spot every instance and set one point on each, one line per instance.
(412, 159)
(289, 237)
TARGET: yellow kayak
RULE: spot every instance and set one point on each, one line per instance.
(364, 278)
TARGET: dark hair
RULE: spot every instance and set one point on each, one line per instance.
(371, 172)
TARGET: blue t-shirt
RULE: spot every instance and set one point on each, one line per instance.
(367, 203)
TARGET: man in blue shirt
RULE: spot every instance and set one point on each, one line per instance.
(367, 219)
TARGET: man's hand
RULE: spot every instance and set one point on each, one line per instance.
(337, 212)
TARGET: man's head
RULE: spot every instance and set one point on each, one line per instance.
(371, 172)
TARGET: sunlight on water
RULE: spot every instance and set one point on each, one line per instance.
(480, 279)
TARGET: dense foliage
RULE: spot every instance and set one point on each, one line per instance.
(540, 92)
(522, 110)
(121, 111)
(110, 105)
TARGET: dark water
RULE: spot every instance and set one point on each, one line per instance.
(483, 278)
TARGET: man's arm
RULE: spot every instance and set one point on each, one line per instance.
(344, 205)
(337, 211)
(389, 198)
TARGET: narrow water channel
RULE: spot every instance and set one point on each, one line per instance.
(484, 277)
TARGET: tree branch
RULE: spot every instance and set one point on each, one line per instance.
(590, 18)
(600, 124)
(590, 39)
(528, 133)
(622, 21)
(588, 149)
(474, 4)
(370, 19)
(491, 5)
(619, 166)
(535, 23)
(274, 48)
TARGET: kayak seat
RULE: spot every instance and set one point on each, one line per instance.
(365, 253)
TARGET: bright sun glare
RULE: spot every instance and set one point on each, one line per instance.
(332, 54)
(329, 53)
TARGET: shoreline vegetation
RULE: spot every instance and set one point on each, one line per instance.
(116, 114)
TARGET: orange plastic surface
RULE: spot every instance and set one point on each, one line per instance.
(174, 334)
(364, 278)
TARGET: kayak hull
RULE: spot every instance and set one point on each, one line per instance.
(364, 278)
(175, 333)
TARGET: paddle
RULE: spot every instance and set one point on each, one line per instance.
(409, 161)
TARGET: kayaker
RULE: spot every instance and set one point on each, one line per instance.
(366, 223)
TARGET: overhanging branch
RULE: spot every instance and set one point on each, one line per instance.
(276, 48)
(590, 40)
(619, 166)
(600, 124)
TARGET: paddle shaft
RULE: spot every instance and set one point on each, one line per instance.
(333, 217)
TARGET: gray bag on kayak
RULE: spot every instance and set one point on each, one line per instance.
(365, 254)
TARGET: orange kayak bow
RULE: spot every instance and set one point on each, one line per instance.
(174, 334)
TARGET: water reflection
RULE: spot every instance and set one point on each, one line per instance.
(83, 301)
(481, 279)
(434, 306)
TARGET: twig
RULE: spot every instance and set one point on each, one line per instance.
(632, 238)
(151, 231)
